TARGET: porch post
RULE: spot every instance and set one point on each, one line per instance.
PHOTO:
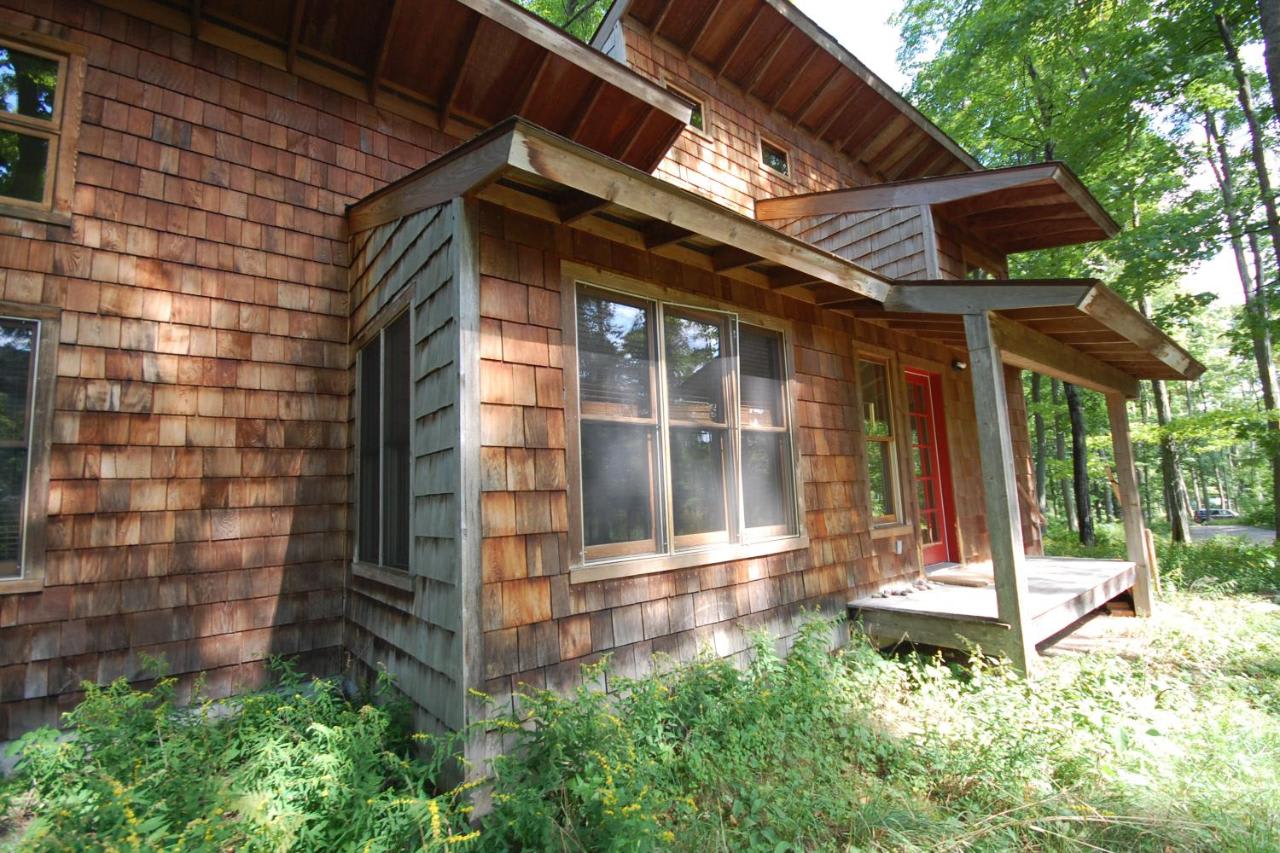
(1130, 503)
(1004, 522)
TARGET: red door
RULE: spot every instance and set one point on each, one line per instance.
(930, 466)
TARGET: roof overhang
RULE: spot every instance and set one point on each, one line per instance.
(456, 65)
(775, 53)
(1014, 209)
(1077, 330)
(523, 166)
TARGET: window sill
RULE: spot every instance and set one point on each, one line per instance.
(398, 578)
(890, 530)
(21, 585)
(34, 214)
(686, 559)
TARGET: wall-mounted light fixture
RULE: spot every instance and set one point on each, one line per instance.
(959, 364)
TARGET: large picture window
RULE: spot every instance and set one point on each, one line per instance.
(881, 446)
(383, 463)
(684, 432)
(41, 80)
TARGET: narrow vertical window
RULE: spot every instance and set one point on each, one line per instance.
(698, 426)
(17, 384)
(768, 496)
(877, 426)
(384, 465)
(619, 428)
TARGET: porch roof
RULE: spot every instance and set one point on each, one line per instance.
(772, 51)
(488, 59)
(1012, 210)
(1075, 329)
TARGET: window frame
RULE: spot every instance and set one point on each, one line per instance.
(763, 139)
(376, 329)
(901, 522)
(35, 504)
(62, 129)
(743, 542)
(701, 101)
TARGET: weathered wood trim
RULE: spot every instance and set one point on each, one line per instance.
(467, 282)
(552, 39)
(1000, 491)
(943, 630)
(933, 191)
(1130, 504)
(35, 520)
(1024, 347)
(929, 230)
(1110, 310)
(971, 298)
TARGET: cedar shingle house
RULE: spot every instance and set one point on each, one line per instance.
(419, 335)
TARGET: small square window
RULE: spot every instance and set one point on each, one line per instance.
(775, 157)
(698, 118)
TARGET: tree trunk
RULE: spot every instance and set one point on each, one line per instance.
(1257, 313)
(1257, 146)
(1080, 465)
(1037, 419)
(1060, 453)
(1270, 10)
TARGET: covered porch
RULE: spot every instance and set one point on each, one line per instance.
(961, 611)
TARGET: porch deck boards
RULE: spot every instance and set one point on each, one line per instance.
(1059, 591)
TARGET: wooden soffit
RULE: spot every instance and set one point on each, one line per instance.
(526, 167)
(457, 65)
(1014, 209)
(1078, 330)
(774, 53)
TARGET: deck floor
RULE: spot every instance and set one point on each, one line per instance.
(1059, 591)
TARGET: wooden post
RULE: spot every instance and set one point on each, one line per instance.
(1130, 503)
(1000, 490)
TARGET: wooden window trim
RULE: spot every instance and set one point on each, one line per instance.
(35, 507)
(586, 571)
(763, 139)
(63, 129)
(375, 328)
(690, 94)
(899, 523)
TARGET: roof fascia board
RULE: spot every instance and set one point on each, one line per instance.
(960, 298)
(1105, 306)
(806, 25)
(927, 191)
(455, 174)
(608, 22)
(555, 40)
(542, 153)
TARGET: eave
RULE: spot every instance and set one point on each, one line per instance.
(456, 65)
(1014, 209)
(774, 53)
(1078, 330)
(1075, 329)
(521, 165)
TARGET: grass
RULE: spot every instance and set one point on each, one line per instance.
(1169, 742)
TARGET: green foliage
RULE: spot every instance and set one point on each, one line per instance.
(296, 768)
(1171, 748)
(1222, 564)
(579, 18)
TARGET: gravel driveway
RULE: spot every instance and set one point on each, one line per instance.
(1262, 535)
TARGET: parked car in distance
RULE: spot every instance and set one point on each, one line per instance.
(1206, 514)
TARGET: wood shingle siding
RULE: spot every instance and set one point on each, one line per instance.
(413, 626)
(199, 496)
